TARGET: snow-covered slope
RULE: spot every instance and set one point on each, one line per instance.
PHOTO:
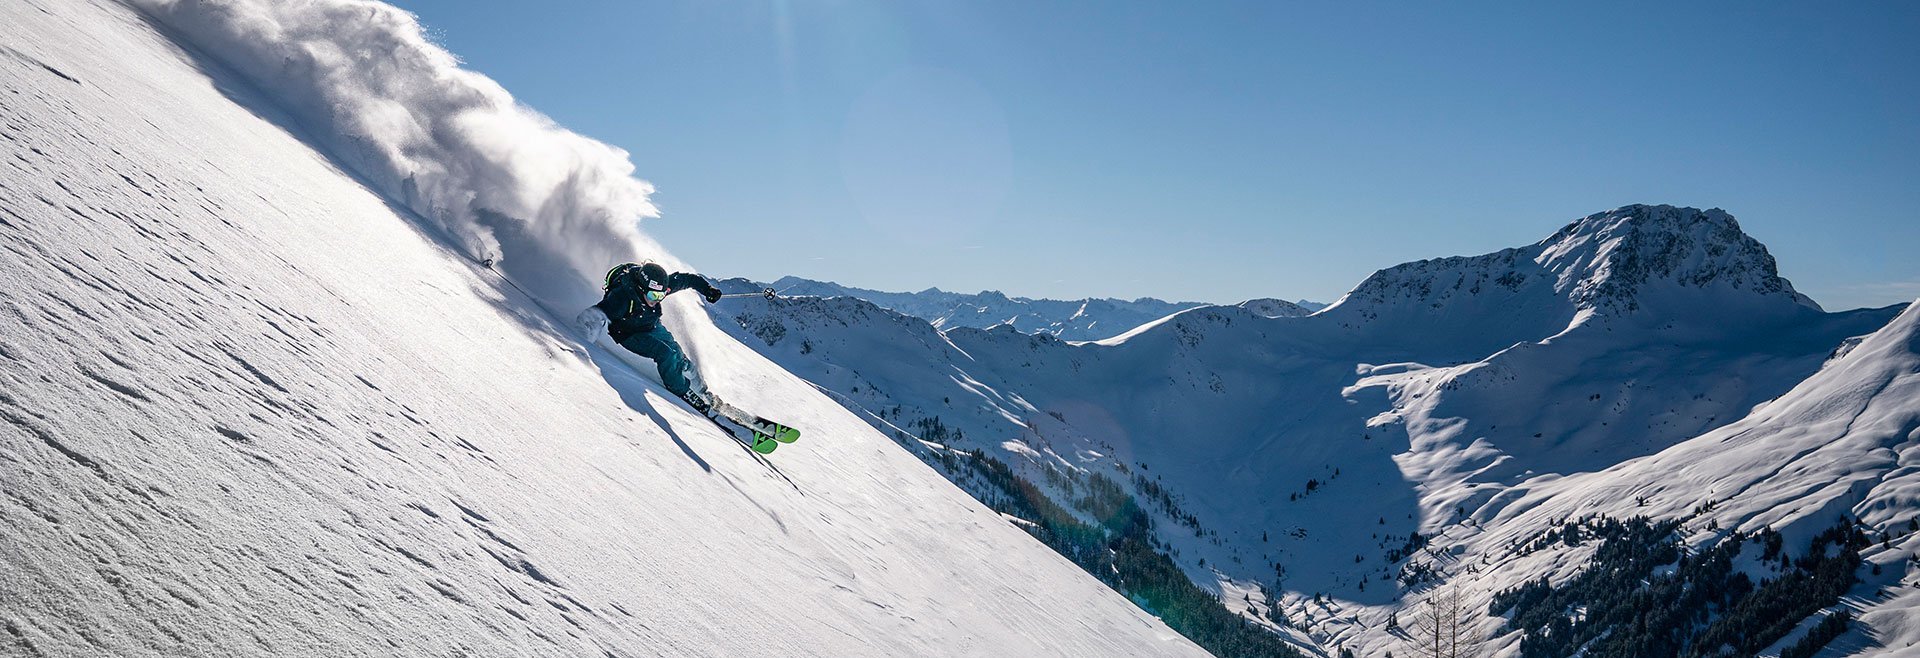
(1845, 441)
(249, 407)
(1319, 445)
(1078, 319)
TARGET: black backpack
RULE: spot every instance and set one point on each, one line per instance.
(620, 275)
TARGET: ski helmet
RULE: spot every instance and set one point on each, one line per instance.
(653, 282)
(653, 272)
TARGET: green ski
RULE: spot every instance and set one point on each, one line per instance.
(767, 435)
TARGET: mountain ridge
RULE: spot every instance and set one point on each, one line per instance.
(1601, 262)
(1089, 318)
(1648, 264)
(1421, 423)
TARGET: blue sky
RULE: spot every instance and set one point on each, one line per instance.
(1223, 151)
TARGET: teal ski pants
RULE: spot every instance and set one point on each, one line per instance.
(658, 344)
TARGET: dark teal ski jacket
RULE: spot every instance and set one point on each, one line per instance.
(625, 303)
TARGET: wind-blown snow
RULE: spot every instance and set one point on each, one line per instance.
(552, 207)
(248, 407)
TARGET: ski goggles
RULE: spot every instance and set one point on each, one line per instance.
(656, 295)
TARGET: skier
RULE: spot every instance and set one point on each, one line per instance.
(630, 313)
(632, 307)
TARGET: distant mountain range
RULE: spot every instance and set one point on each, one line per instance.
(1075, 320)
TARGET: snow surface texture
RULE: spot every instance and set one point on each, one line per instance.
(1078, 319)
(250, 407)
(1428, 400)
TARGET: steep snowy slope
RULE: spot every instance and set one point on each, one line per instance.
(1320, 445)
(1077, 319)
(248, 407)
(1844, 442)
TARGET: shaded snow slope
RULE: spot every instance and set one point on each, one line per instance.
(1846, 441)
(246, 408)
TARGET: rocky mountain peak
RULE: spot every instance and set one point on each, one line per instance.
(1605, 260)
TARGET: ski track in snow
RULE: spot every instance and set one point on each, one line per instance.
(247, 409)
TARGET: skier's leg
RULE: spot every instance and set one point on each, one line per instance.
(667, 356)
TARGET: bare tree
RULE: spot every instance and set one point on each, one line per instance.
(1440, 629)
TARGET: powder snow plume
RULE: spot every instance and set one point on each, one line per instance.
(552, 207)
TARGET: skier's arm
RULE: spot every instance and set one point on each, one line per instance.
(684, 280)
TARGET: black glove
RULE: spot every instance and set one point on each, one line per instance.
(712, 295)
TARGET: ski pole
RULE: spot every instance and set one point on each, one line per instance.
(768, 293)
